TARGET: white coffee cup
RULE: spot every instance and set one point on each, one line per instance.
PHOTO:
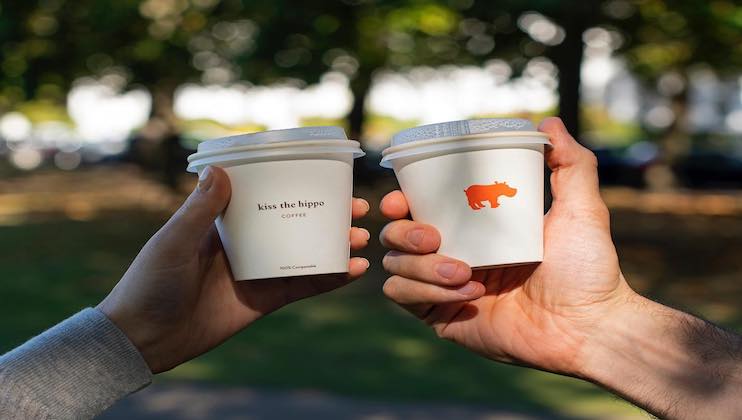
(290, 210)
(480, 183)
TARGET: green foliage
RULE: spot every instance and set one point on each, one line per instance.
(162, 43)
(603, 130)
(668, 36)
(44, 110)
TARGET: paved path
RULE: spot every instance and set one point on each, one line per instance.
(189, 401)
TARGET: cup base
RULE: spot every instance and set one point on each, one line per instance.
(487, 267)
(304, 276)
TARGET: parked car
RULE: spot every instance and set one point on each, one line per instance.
(627, 165)
(710, 169)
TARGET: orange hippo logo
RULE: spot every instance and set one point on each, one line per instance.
(478, 194)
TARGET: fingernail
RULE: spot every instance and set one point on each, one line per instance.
(368, 234)
(468, 288)
(446, 270)
(416, 237)
(365, 203)
(205, 180)
(367, 262)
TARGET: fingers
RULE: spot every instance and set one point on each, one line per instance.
(359, 238)
(422, 281)
(360, 208)
(412, 293)
(430, 268)
(274, 293)
(299, 288)
(357, 267)
(195, 217)
(394, 205)
(411, 237)
(575, 168)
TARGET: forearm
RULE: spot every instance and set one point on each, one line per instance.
(671, 363)
(74, 370)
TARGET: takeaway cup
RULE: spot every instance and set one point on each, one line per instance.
(480, 183)
(290, 210)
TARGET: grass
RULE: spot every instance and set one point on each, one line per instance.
(350, 342)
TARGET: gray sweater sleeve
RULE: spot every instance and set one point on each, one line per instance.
(76, 369)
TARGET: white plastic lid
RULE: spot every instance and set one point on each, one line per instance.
(274, 145)
(274, 136)
(461, 128)
(465, 135)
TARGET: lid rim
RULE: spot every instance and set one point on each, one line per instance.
(461, 128)
(442, 140)
(276, 152)
(457, 145)
(276, 145)
(273, 136)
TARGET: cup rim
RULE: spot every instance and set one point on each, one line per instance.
(273, 136)
(277, 145)
(441, 140)
(275, 151)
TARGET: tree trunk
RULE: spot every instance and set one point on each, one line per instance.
(157, 146)
(359, 86)
(673, 144)
(568, 59)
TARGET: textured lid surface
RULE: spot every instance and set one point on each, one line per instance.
(461, 128)
(274, 136)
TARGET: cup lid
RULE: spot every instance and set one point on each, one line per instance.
(461, 128)
(274, 136)
(275, 144)
(465, 135)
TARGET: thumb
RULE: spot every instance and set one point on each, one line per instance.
(207, 201)
(574, 179)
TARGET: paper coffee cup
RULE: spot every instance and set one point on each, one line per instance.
(290, 210)
(480, 183)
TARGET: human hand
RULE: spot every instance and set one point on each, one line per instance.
(178, 299)
(540, 315)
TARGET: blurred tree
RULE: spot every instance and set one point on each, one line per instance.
(357, 38)
(48, 44)
(555, 28)
(54, 42)
(667, 42)
(159, 44)
(162, 43)
(661, 40)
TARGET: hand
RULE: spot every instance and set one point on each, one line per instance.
(178, 299)
(539, 315)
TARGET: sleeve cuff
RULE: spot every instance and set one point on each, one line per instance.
(76, 369)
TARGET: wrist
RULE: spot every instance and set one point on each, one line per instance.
(619, 341)
(139, 337)
(633, 357)
(666, 361)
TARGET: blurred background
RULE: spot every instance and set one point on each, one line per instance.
(101, 102)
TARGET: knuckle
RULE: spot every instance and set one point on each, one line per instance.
(602, 211)
(589, 156)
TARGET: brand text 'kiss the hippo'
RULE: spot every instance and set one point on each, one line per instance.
(300, 204)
